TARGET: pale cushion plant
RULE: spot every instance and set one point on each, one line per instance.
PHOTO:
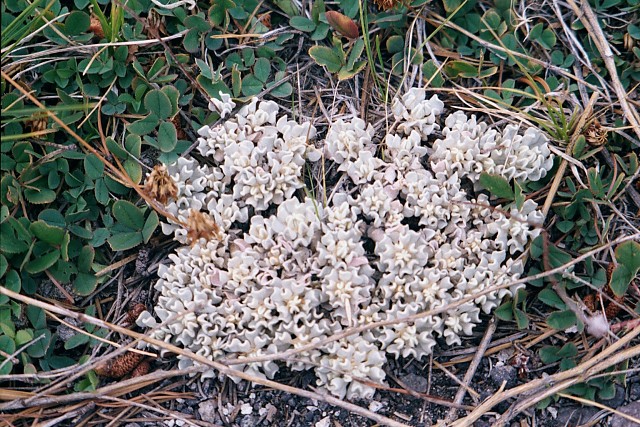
(288, 271)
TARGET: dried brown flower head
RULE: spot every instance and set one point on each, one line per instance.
(595, 134)
(265, 19)
(38, 123)
(200, 225)
(160, 185)
(95, 27)
(386, 4)
(119, 366)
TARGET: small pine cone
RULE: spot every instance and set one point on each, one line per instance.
(610, 267)
(120, 366)
(590, 302)
(134, 313)
(142, 369)
(613, 309)
(181, 134)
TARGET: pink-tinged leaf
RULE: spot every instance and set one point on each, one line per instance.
(342, 24)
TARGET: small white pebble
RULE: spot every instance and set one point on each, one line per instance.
(375, 406)
(246, 409)
(325, 422)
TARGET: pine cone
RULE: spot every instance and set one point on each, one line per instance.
(120, 366)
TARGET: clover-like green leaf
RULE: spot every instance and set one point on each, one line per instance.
(167, 137)
(327, 57)
(124, 241)
(251, 85)
(150, 226)
(47, 233)
(262, 69)
(562, 320)
(41, 263)
(93, 167)
(85, 283)
(128, 214)
(303, 24)
(76, 23)
(158, 103)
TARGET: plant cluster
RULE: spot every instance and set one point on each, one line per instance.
(286, 272)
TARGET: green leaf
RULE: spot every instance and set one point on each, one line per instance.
(85, 259)
(116, 149)
(303, 24)
(146, 125)
(174, 95)
(158, 103)
(218, 11)
(251, 85)
(236, 81)
(8, 346)
(505, 311)
(562, 320)
(85, 283)
(4, 213)
(346, 73)
(23, 336)
(568, 350)
(36, 316)
(496, 185)
(167, 137)
(133, 169)
(522, 320)
(39, 348)
(395, 44)
(150, 226)
(77, 340)
(128, 214)
(3, 266)
(76, 23)
(551, 298)
(327, 57)
(547, 39)
(39, 196)
(620, 279)
(262, 69)
(431, 73)
(93, 167)
(102, 192)
(565, 226)
(283, 90)
(43, 262)
(47, 233)
(124, 241)
(549, 354)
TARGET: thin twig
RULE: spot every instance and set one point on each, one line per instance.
(473, 366)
